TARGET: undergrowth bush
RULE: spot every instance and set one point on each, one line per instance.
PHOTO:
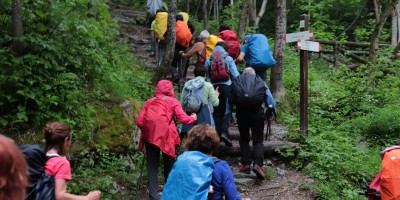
(115, 175)
(352, 117)
(70, 64)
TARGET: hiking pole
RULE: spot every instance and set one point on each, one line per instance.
(268, 116)
(180, 72)
(268, 132)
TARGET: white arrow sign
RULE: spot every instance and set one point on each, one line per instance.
(293, 37)
(308, 46)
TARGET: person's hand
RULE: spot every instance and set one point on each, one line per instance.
(194, 116)
(181, 53)
(94, 195)
(217, 92)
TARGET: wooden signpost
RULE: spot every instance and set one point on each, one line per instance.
(294, 37)
(308, 46)
(304, 46)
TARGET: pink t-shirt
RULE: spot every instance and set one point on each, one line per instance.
(59, 167)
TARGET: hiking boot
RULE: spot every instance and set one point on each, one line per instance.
(228, 142)
(245, 169)
(259, 172)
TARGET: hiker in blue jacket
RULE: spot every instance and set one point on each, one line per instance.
(221, 121)
(196, 169)
(256, 52)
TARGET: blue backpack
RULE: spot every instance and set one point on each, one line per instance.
(258, 54)
(190, 177)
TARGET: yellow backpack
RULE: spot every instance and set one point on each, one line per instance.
(210, 44)
(160, 26)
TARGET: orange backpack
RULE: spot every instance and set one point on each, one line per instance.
(183, 34)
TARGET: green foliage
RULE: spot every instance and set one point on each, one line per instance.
(71, 63)
(231, 15)
(116, 176)
(381, 127)
(352, 116)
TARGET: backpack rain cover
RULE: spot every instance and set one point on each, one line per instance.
(248, 92)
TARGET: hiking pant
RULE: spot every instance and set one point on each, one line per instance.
(178, 64)
(153, 160)
(222, 122)
(262, 73)
(160, 51)
(253, 121)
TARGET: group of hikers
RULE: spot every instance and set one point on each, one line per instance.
(205, 109)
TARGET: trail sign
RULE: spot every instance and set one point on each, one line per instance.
(308, 46)
(294, 37)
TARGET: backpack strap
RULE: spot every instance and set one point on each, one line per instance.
(202, 55)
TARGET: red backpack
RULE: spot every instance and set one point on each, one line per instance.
(183, 34)
(219, 70)
(232, 42)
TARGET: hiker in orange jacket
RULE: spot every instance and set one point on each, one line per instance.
(390, 177)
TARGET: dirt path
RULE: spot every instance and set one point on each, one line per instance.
(283, 182)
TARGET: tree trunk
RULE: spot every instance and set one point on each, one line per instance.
(398, 21)
(169, 45)
(243, 20)
(276, 77)
(209, 8)
(252, 12)
(378, 29)
(187, 6)
(261, 12)
(17, 27)
(378, 9)
(205, 15)
(395, 29)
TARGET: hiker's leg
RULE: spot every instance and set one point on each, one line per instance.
(153, 159)
(257, 130)
(243, 121)
(228, 113)
(161, 52)
(219, 111)
(221, 122)
(186, 68)
(168, 163)
(262, 73)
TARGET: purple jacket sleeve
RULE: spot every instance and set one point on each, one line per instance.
(223, 182)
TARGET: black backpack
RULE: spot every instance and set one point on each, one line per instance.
(41, 185)
(249, 92)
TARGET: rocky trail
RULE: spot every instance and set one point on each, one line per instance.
(282, 182)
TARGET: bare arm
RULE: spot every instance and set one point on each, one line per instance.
(196, 48)
(62, 194)
(240, 57)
